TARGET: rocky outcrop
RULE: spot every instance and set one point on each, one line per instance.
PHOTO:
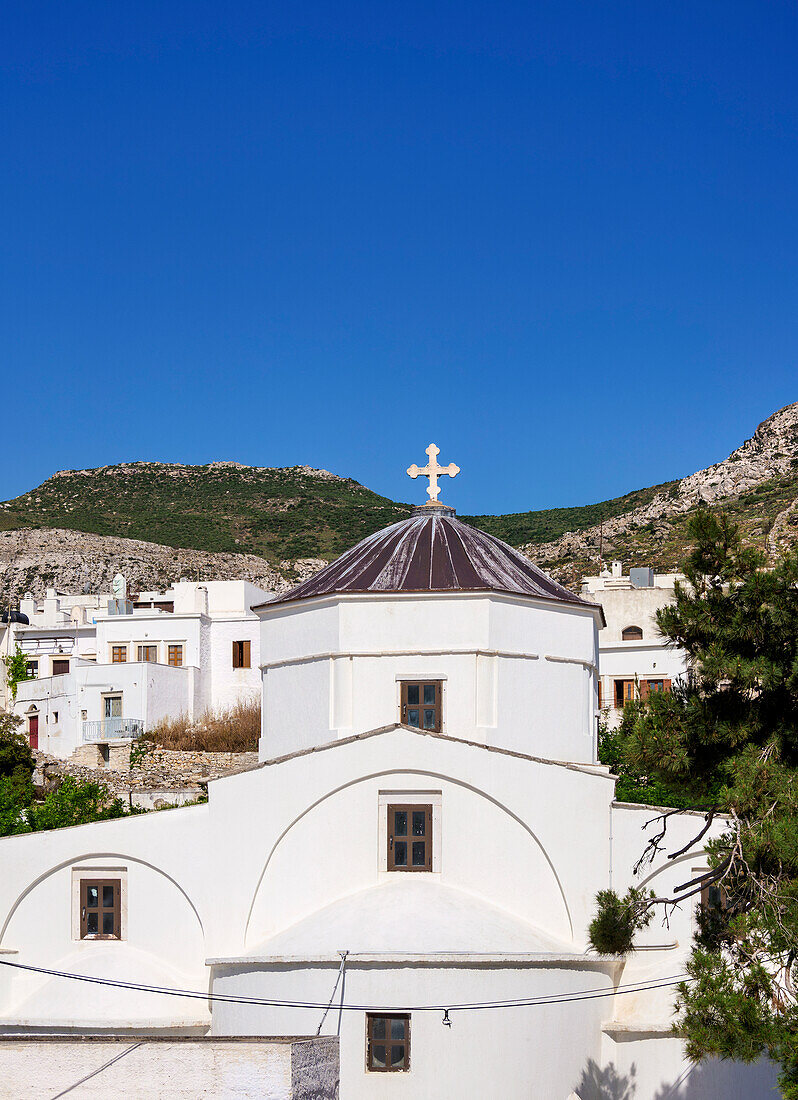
(72, 561)
(772, 451)
(164, 774)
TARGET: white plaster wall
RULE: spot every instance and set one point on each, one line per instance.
(629, 659)
(52, 695)
(509, 1054)
(140, 1068)
(632, 607)
(165, 864)
(43, 645)
(296, 630)
(230, 685)
(322, 809)
(485, 852)
(149, 692)
(535, 696)
(295, 708)
(655, 1066)
(158, 629)
(169, 691)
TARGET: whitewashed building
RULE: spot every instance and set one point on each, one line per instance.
(634, 658)
(106, 672)
(412, 867)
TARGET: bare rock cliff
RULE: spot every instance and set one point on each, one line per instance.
(772, 451)
(32, 560)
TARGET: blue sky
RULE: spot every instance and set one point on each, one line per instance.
(558, 239)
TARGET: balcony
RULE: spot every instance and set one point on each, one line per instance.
(113, 729)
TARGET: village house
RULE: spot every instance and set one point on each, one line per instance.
(103, 671)
(634, 658)
(411, 869)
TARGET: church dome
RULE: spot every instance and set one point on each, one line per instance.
(432, 551)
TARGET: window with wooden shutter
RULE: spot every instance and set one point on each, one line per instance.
(624, 692)
(422, 704)
(387, 1043)
(241, 655)
(100, 909)
(60, 667)
(409, 838)
(632, 634)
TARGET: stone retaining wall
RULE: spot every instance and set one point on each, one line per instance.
(143, 1067)
(153, 774)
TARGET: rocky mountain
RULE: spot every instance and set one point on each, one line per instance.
(156, 522)
(32, 560)
(757, 484)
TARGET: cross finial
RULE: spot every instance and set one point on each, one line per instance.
(433, 471)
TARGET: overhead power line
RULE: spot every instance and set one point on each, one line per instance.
(229, 998)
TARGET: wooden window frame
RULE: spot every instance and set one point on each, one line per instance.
(147, 660)
(436, 707)
(409, 809)
(106, 696)
(115, 908)
(171, 647)
(242, 658)
(32, 669)
(371, 1040)
(637, 634)
(118, 649)
(645, 686)
(624, 681)
(61, 661)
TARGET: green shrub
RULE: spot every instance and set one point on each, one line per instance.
(612, 930)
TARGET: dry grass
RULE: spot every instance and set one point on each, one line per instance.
(234, 730)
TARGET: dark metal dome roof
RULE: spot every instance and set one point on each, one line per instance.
(432, 552)
(16, 617)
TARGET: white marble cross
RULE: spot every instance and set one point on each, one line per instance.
(433, 471)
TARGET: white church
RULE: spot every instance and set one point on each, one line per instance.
(412, 867)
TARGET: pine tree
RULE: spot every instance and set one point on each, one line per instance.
(727, 741)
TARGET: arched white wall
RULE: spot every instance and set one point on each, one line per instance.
(332, 850)
(164, 945)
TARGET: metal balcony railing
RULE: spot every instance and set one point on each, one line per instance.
(113, 729)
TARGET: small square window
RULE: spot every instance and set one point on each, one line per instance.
(409, 838)
(100, 909)
(32, 670)
(387, 1043)
(60, 666)
(241, 654)
(148, 653)
(174, 656)
(118, 654)
(421, 705)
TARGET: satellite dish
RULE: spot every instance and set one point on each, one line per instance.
(119, 587)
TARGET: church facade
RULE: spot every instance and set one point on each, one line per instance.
(412, 866)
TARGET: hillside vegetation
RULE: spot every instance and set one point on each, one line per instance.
(279, 514)
(274, 525)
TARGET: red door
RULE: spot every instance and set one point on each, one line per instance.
(33, 731)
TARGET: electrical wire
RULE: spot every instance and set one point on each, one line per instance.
(228, 998)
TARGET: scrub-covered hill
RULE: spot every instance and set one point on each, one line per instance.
(279, 522)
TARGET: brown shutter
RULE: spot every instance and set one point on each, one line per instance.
(246, 661)
(644, 689)
(599, 694)
(667, 685)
